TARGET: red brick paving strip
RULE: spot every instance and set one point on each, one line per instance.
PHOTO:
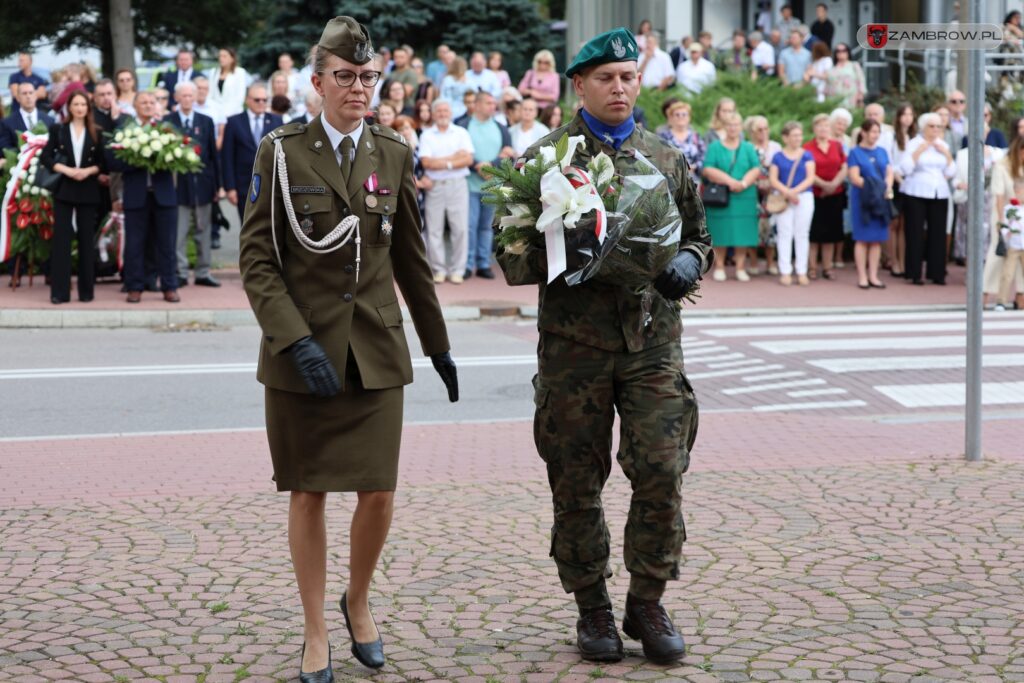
(821, 548)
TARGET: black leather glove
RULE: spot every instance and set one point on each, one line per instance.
(679, 276)
(445, 367)
(315, 367)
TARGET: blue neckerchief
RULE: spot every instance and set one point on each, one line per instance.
(611, 135)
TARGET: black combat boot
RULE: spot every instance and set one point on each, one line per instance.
(648, 622)
(596, 635)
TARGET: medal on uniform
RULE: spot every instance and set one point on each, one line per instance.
(371, 183)
(385, 226)
(371, 201)
(307, 226)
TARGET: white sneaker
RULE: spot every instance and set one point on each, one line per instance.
(456, 279)
(438, 278)
(742, 276)
(719, 275)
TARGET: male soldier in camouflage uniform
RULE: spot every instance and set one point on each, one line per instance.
(596, 356)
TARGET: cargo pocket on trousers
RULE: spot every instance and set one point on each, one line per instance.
(562, 548)
(541, 396)
(691, 420)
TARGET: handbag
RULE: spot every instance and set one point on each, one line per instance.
(47, 179)
(1001, 245)
(716, 194)
(776, 203)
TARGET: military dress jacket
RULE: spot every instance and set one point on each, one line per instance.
(600, 314)
(317, 294)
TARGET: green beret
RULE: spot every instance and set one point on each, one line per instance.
(617, 45)
(348, 39)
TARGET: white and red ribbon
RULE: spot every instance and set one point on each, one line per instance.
(371, 183)
(33, 145)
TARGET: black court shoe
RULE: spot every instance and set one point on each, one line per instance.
(368, 654)
(321, 676)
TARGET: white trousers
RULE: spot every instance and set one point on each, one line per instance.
(794, 228)
(448, 198)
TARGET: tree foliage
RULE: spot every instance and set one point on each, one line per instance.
(85, 23)
(513, 27)
(764, 96)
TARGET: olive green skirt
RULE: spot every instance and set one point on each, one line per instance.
(346, 443)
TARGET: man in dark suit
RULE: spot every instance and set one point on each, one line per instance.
(196, 191)
(104, 106)
(183, 72)
(24, 119)
(150, 214)
(242, 135)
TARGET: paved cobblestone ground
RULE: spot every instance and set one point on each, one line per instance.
(166, 559)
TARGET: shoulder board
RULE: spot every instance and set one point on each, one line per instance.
(287, 130)
(388, 133)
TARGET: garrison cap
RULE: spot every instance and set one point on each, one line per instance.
(617, 45)
(348, 39)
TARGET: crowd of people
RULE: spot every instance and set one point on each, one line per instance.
(896, 191)
(789, 50)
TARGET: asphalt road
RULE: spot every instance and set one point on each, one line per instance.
(904, 367)
(81, 381)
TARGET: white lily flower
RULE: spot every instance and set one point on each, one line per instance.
(564, 203)
(519, 216)
(601, 169)
(575, 142)
(547, 154)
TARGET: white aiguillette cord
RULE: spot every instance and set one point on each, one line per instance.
(342, 232)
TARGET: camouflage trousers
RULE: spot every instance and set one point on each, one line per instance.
(578, 390)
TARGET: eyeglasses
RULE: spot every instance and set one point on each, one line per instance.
(259, 100)
(958, 101)
(345, 78)
(680, 113)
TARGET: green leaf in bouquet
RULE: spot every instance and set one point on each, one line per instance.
(562, 146)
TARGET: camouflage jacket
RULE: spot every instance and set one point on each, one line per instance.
(599, 314)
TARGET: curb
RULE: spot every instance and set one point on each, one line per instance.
(239, 317)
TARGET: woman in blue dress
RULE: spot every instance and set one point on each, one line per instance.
(867, 161)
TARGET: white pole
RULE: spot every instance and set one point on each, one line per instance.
(975, 238)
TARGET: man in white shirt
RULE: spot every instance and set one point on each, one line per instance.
(655, 65)
(696, 72)
(762, 55)
(204, 105)
(479, 77)
(446, 152)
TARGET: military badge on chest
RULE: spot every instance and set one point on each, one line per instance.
(374, 197)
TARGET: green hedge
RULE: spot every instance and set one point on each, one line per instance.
(764, 96)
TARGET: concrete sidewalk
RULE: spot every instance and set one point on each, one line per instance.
(476, 298)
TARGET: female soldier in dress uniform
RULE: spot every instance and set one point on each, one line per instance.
(332, 223)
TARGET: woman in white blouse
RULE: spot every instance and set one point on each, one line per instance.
(927, 166)
(228, 83)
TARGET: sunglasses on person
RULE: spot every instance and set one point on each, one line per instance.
(958, 101)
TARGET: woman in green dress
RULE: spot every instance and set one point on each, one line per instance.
(733, 162)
